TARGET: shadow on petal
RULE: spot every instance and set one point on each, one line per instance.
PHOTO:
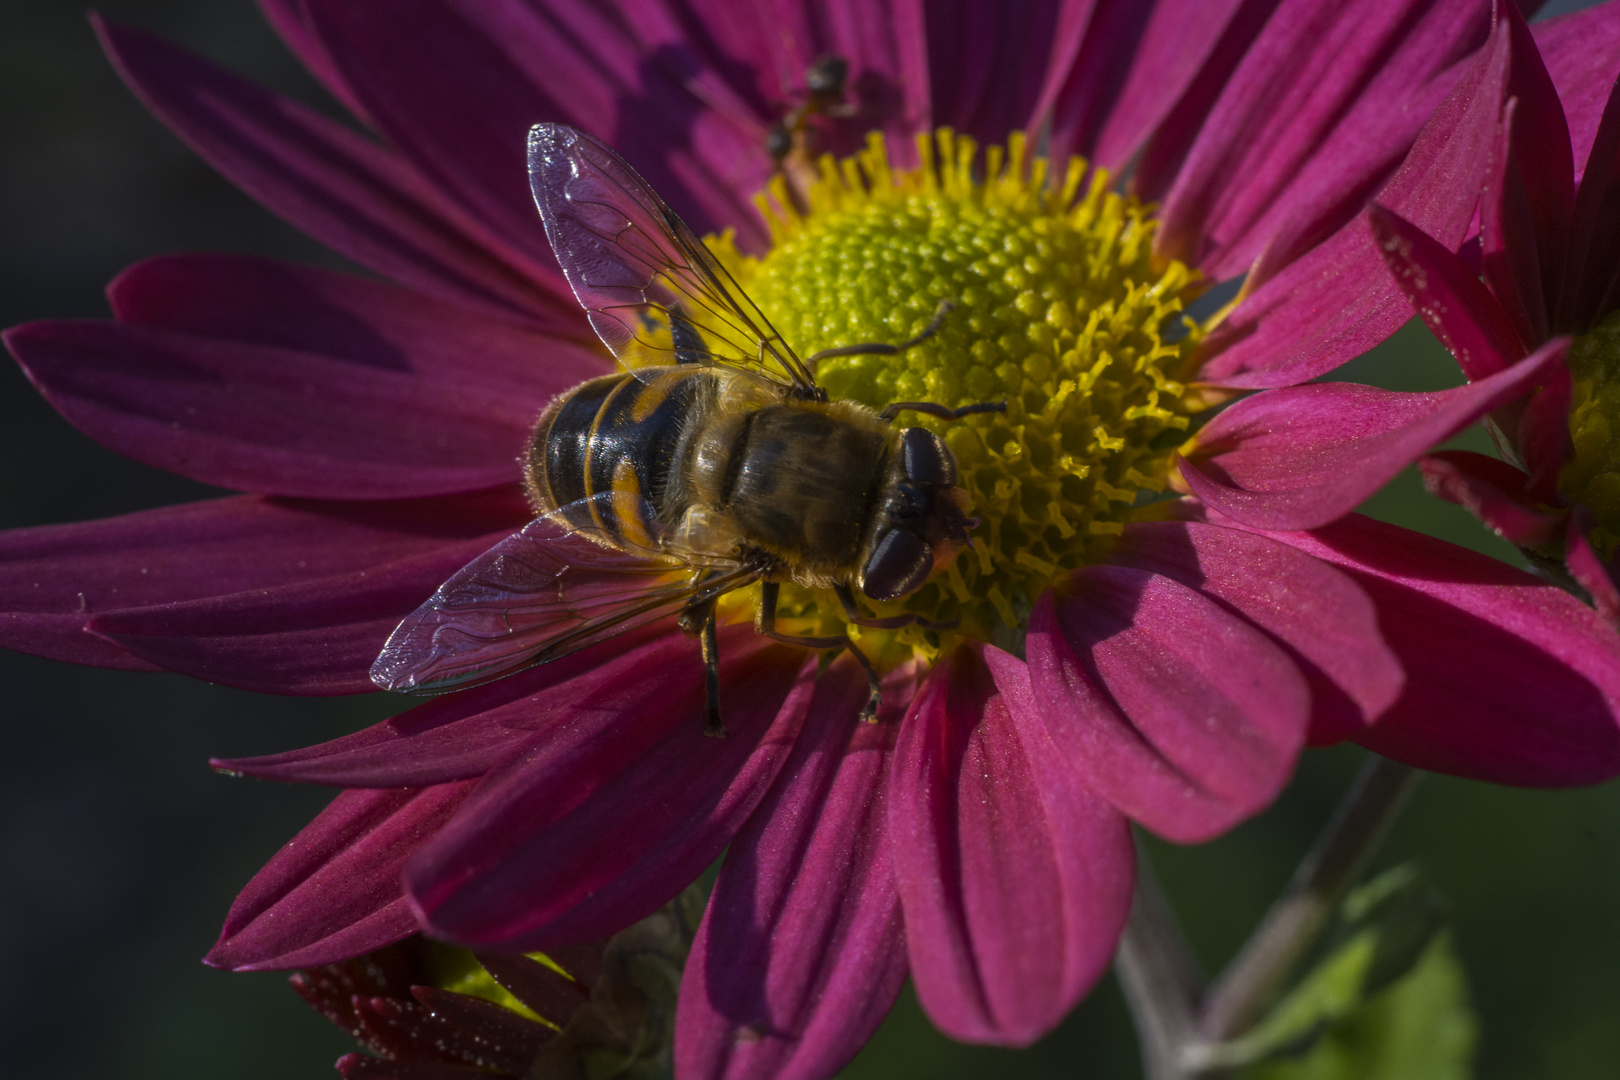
(1184, 716)
(802, 949)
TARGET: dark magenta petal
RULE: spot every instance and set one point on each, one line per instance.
(1508, 679)
(1189, 93)
(1594, 255)
(343, 189)
(292, 26)
(55, 578)
(466, 734)
(1582, 54)
(1588, 568)
(1448, 295)
(802, 949)
(1337, 300)
(1317, 613)
(455, 86)
(1321, 110)
(1526, 208)
(365, 1067)
(316, 638)
(1015, 883)
(987, 62)
(1132, 65)
(1493, 491)
(1301, 456)
(603, 818)
(273, 420)
(334, 891)
(1184, 716)
(363, 322)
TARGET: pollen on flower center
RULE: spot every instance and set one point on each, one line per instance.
(1593, 474)
(1060, 312)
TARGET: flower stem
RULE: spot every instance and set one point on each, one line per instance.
(1160, 978)
(1174, 1018)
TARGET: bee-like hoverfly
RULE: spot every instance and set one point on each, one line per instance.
(711, 462)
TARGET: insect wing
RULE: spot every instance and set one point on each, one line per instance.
(653, 291)
(543, 592)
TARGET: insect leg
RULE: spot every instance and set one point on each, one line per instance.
(846, 598)
(699, 618)
(878, 348)
(928, 407)
(711, 672)
(765, 623)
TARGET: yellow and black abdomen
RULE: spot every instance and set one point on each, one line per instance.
(623, 435)
(718, 461)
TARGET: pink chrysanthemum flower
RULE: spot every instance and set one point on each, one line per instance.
(1547, 250)
(1113, 662)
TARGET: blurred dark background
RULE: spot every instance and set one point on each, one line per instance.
(120, 851)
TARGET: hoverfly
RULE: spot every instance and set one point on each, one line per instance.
(711, 462)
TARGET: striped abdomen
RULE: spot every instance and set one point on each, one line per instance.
(723, 461)
(620, 434)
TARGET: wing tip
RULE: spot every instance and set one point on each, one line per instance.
(549, 144)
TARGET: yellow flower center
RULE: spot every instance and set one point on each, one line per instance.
(1593, 476)
(1061, 312)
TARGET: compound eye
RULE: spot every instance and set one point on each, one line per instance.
(927, 459)
(902, 562)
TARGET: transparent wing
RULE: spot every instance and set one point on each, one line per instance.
(654, 293)
(543, 592)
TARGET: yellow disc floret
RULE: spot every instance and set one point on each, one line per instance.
(1593, 476)
(1061, 311)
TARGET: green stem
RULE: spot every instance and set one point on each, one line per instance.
(1176, 1019)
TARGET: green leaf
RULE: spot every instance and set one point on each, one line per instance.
(1418, 1028)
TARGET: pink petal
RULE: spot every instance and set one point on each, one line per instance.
(1588, 568)
(1190, 53)
(1337, 301)
(1508, 679)
(1448, 295)
(456, 86)
(1093, 43)
(1528, 202)
(1127, 72)
(334, 891)
(1493, 491)
(292, 26)
(1539, 426)
(57, 577)
(464, 735)
(802, 949)
(1015, 883)
(273, 420)
(1301, 456)
(987, 62)
(1594, 269)
(604, 818)
(372, 323)
(1324, 621)
(1323, 107)
(343, 189)
(316, 638)
(1582, 54)
(1184, 716)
